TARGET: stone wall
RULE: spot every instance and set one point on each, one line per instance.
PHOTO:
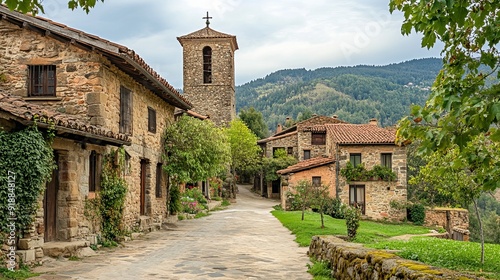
(378, 194)
(217, 99)
(282, 142)
(304, 143)
(88, 87)
(326, 172)
(351, 261)
(451, 219)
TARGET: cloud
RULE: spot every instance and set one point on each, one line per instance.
(272, 35)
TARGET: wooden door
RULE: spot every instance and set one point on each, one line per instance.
(50, 205)
(144, 164)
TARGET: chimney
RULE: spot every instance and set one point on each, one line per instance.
(279, 128)
(373, 122)
(335, 116)
(314, 115)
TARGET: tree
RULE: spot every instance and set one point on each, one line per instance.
(254, 121)
(464, 102)
(280, 160)
(34, 6)
(304, 195)
(320, 197)
(244, 150)
(195, 150)
(453, 176)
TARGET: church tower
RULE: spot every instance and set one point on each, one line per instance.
(208, 59)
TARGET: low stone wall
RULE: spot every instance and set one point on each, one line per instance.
(454, 220)
(353, 261)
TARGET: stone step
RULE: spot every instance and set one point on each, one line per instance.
(66, 249)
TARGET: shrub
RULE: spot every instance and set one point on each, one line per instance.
(334, 208)
(352, 217)
(416, 213)
(174, 205)
(293, 202)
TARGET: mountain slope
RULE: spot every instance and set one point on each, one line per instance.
(355, 94)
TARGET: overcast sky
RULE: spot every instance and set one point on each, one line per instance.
(272, 35)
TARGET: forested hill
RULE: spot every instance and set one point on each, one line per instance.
(355, 93)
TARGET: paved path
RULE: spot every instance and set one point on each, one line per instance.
(242, 242)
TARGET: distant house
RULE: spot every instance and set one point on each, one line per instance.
(302, 140)
(360, 144)
(101, 95)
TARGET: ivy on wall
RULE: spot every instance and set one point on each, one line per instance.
(26, 164)
(112, 195)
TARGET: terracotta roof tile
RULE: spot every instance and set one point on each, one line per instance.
(360, 134)
(208, 32)
(109, 48)
(191, 113)
(29, 112)
(307, 164)
(262, 141)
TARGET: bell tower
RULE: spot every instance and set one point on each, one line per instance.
(208, 73)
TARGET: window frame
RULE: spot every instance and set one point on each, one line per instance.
(40, 81)
(316, 184)
(95, 170)
(207, 65)
(151, 120)
(308, 154)
(354, 201)
(126, 112)
(353, 157)
(318, 138)
(383, 160)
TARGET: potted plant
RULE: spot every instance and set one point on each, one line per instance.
(384, 173)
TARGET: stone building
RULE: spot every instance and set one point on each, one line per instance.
(303, 140)
(366, 144)
(102, 95)
(208, 63)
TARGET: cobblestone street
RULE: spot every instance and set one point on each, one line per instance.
(242, 242)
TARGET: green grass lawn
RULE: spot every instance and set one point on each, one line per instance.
(455, 255)
(368, 232)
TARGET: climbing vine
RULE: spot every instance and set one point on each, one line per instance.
(26, 164)
(112, 194)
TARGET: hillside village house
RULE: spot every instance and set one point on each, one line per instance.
(366, 144)
(298, 141)
(100, 95)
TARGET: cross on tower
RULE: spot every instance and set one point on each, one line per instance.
(208, 19)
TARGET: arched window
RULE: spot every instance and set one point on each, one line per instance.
(207, 65)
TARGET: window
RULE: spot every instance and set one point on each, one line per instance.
(307, 154)
(318, 138)
(357, 197)
(125, 110)
(355, 159)
(290, 150)
(42, 80)
(386, 160)
(159, 172)
(94, 171)
(316, 181)
(151, 120)
(207, 65)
